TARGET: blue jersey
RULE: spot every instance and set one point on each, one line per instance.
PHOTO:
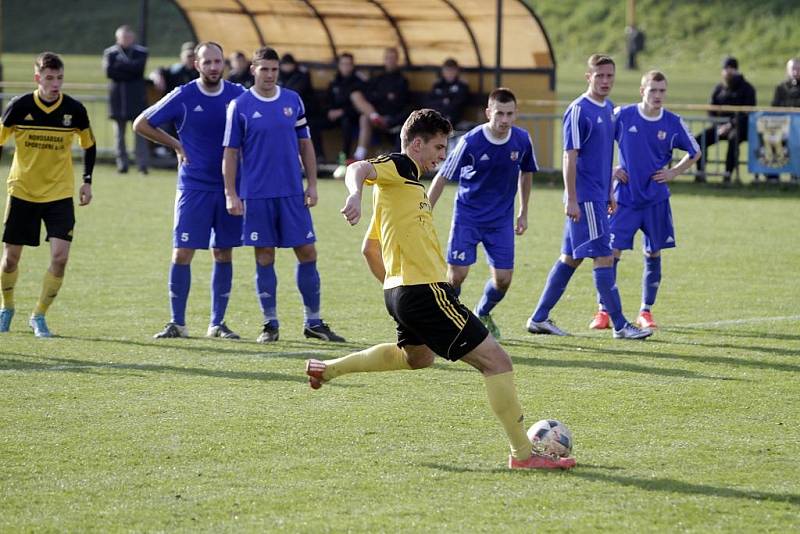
(589, 129)
(645, 146)
(487, 170)
(266, 132)
(199, 118)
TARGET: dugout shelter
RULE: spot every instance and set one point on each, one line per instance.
(496, 42)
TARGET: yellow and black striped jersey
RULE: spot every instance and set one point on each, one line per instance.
(411, 251)
(43, 133)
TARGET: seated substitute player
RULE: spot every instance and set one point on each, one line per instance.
(265, 130)
(588, 160)
(430, 319)
(647, 134)
(197, 111)
(491, 163)
(41, 183)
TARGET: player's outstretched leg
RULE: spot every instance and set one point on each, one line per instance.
(383, 357)
(651, 280)
(557, 280)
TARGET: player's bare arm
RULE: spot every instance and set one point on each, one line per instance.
(524, 193)
(357, 173)
(666, 175)
(309, 160)
(230, 162)
(570, 162)
(436, 188)
(143, 127)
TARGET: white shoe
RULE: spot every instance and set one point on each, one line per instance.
(545, 327)
(172, 330)
(632, 332)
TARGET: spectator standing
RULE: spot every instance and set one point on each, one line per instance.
(733, 90)
(450, 94)
(124, 65)
(240, 69)
(787, 95)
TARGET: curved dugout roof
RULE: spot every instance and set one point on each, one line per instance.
(425, 31)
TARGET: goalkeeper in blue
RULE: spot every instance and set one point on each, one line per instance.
(493, 163)
(646, 134)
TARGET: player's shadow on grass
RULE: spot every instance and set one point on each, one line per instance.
(730, 332)
(605, 365)
(677, 486)
(463, 469)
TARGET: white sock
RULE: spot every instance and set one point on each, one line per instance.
(360, 153)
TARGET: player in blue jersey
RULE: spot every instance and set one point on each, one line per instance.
(197, 111)
(265, 130)
(647, 134)
(491, 163)
(588, 160)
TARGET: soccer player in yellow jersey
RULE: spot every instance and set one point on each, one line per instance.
(430, 319)
(41, 182)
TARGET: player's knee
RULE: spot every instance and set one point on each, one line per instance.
(305, 253)
(456, 276)
(10, 262)
(420, 358)
(502, 281)
(604, 261)
(58, 262)
(569, 260)
(223, 255)
(182, 256)
(498, 361)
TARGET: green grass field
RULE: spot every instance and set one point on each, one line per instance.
(103, 429)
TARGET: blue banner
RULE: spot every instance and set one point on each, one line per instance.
(774, 143)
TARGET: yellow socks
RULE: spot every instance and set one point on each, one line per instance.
(7, 283)
(503, 399)
(50, 287)
(384, 357)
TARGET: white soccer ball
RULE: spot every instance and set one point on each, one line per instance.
(551, 436)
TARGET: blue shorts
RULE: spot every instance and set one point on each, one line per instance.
(590, 237)
(654, 221)
(497, 242)
(283, 222)
(201, 220)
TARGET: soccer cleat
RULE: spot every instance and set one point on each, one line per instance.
(172, 330)
(314, 370)
(632, 332)
(490, 325)
(601, 320)
(221, 330)
(39, 326)
(645, 320)
(541, 461)
(268, 334)
(322, 331)
(6, 314)
(545, 327)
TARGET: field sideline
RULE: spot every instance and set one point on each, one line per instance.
(104, 429)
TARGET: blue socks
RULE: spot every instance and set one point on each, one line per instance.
(599, 299)
(605, 283)
(267, 287)
(180, 280)
(491, 296)
(555, 286)
(651, 279)
(221, 283)
(309, 285)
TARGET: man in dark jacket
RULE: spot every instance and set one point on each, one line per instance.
(450, 94)
(733, 90)
(787, 95)
(388, 94)
(240, 70)
(298, 79)
(348, 106)
(168, 78)
(124, 66)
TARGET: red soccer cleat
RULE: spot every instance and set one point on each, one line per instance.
(601, 320)
(314, 370)
(541, 461)
(645, 320)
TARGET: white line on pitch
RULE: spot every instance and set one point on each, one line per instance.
(741, 321)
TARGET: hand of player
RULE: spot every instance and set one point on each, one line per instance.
(620, 174)
(522, 225)
(572, 210)
(85, 194)
(612, 204)
(181, 155)
(311, 196)
(663, 175)
(352, 209)
(234, 204)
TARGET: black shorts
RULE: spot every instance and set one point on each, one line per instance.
(23, 225)
(430, 314)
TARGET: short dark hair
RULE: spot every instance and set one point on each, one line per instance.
(502, 95)
(653, 76)
(208, 43)
(450, 63)
(424, 123)
(344, 55)
(48, 60)
(265, 52)
(595, 60)
(288, 59)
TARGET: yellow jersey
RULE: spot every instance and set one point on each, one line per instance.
(411, 251)
(43, 133)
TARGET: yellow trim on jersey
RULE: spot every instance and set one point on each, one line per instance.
(44, 107)
(447, 307)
